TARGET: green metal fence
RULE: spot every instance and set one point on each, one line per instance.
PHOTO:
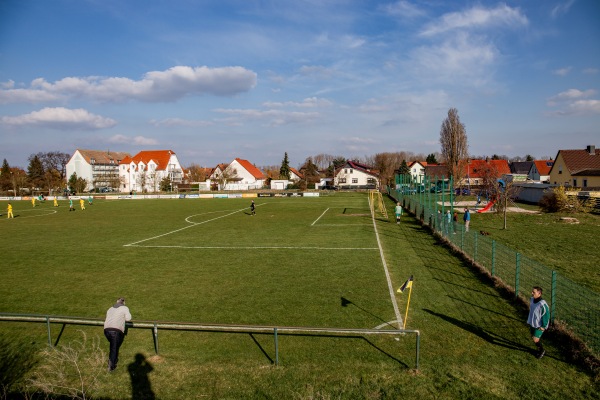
(571, 303)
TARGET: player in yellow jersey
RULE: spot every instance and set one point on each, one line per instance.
(82, 203)
(10, 212)
(55, 201)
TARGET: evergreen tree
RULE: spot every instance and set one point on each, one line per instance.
(35, 171)
(73, 182)
(5, 176)
(431, 159)
(404, 170)
(284, 171)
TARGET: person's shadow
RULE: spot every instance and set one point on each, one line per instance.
(140, 382)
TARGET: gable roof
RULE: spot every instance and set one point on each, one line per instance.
(544, 166)
(521, 167)
(475, 166)
(103, 157)
(360, 167)
(578, 161)
(255, 172)
(297, 173)
(160, 157)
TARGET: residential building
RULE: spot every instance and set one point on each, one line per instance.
(474, 175)
(99, 168)
(238, 175)
(295, 175)
(577, 168)
(145, 171)
(536, 171)
(417, 170)
(354, 175)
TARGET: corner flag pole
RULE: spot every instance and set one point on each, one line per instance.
(407, 304)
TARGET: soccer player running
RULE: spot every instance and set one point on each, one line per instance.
(538, 319)
(9, 211)
(252, 208)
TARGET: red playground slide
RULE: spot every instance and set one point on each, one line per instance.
(487, 207)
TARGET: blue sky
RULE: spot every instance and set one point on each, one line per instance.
(215, 80)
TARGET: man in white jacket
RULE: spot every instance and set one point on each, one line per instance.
(114, 330)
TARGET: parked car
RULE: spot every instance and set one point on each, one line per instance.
(328, 187)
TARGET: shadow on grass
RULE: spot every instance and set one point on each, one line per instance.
(345, 303)
(140, 381)
(488, 336)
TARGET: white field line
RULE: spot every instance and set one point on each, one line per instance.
(185, 227)
(256, 247)
(46, 212)
(315, 221)
(385, 268)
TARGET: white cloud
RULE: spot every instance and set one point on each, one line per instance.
(561, 9)
(156, 86)
(562, 71)
(403, 9)
(61, 118)
(181, 122)
(269, 117)
(477, 18)
(311, 102)
(575, 102)
(136, 140)
(591, 71)
(462, 59)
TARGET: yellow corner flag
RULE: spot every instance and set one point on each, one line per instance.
(406, 285)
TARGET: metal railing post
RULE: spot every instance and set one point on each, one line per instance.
(517, 273)
(155, 335)
(493, 257)
(49, 333)
(276, 346)
(553, 297)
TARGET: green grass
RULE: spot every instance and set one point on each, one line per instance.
(289, 265)
(569, 249)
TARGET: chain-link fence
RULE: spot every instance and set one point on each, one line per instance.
(574, 305)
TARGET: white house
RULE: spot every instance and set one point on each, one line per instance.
(354, 175)
(99, 168)
(417, 171)
(145, 171)
(238, 175)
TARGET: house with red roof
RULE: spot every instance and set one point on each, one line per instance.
(145, 171)
(99, 168)
(355, 175)
(577, 168)
(476, 170)
(240, 174)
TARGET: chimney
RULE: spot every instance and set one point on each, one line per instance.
(591, 150)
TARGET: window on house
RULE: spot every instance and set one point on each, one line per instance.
(354, 180)
(371, 180)
(342, 180)
(351, 170)
(560, 169)
(585, 183)
(345, 171)
(574, 182)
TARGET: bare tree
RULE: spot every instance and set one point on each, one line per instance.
(507, 193)
(454, 147)
(386, 164)
(197, 173)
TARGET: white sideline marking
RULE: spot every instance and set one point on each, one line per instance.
(185, 227)
(254, 247)
(389, 323)
(315, 221)
(387, 273)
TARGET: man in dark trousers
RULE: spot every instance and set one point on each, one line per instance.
(538, 319)
(114, 330)
(252, 208)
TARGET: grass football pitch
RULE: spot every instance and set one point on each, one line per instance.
(315, 262)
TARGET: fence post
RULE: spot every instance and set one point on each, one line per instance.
(553, 297)
(276, 346)
(462, 237)
(155, 335)
(475, 249)
(493, 257)
(517, 272)
(49, 334)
